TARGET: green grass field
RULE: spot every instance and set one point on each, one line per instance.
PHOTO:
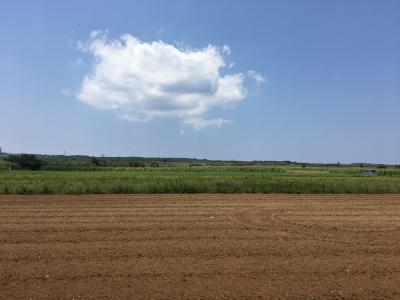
(205, 179)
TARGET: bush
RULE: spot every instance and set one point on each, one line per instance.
(6, 165)
(95, 161)
(136, 164)
(26, 161)
(154, 164)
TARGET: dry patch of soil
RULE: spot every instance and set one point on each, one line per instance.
(200, 247)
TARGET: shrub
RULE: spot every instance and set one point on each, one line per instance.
(154, 164)
(26, 161)
(6, 165)
(136, 164)
(95, 161)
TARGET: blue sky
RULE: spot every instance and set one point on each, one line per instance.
(331, 91)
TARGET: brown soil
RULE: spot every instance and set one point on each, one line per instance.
(200, 247)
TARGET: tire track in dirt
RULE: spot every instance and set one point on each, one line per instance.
(200, 246)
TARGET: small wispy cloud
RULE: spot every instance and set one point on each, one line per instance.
(226, 49)
(77, 64)
(67, 92)
(257, 77)
(143, 81)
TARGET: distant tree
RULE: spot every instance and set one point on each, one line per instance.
(136, 164)
(95, 161)
(154, 164)
(26, 161)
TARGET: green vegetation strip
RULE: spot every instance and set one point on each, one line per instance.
(197, 180)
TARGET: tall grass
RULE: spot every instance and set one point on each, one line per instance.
(253, 179)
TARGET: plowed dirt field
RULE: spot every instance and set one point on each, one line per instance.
(242, 246)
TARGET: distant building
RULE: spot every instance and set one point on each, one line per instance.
(369, 172)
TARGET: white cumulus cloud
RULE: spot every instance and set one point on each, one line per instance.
(142, 81)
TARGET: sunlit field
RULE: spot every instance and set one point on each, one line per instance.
(208, 179)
